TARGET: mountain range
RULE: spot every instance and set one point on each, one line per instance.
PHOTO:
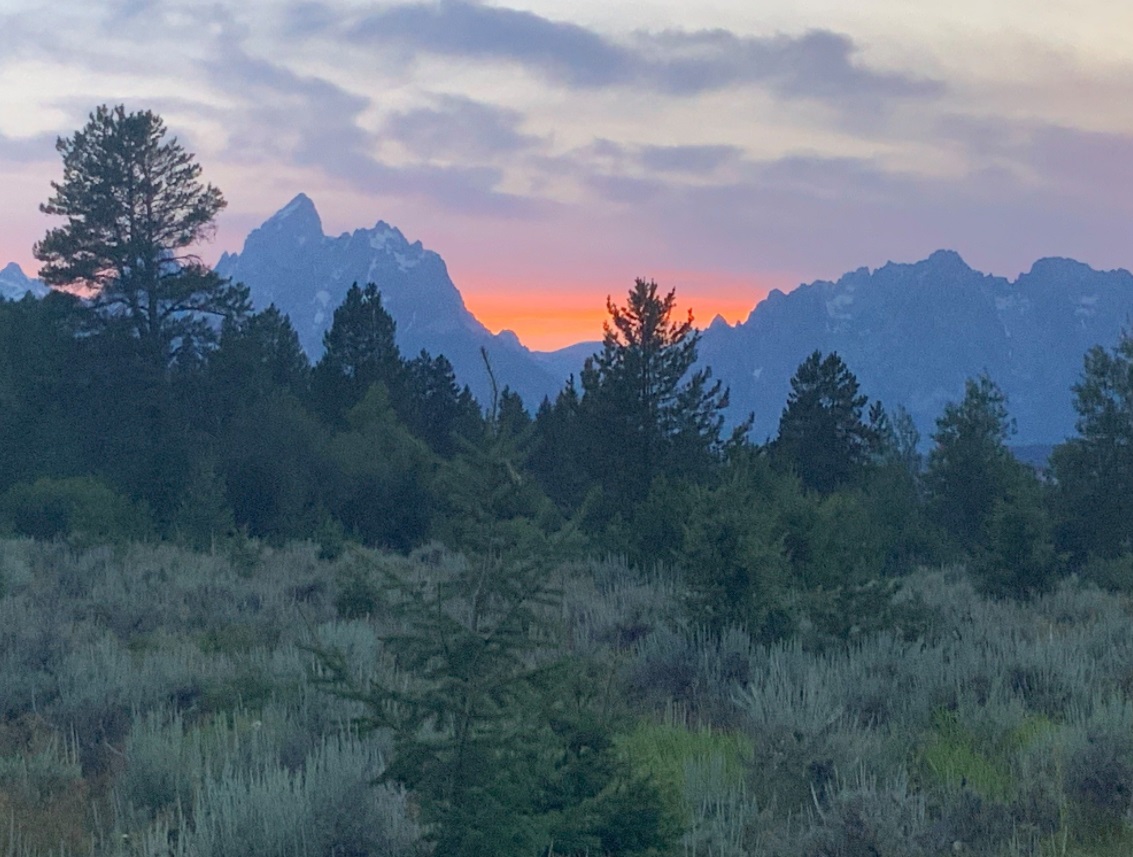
(911, 332)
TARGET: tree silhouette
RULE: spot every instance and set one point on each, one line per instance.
(970, 468)
(1094, 471)
(821, 433)
(134, 206)
(642, 415)
(360, 352)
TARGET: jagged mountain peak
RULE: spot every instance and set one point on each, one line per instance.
(298, 218)
(14, 283)
(288, 261)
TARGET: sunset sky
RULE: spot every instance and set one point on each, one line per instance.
(552, 151)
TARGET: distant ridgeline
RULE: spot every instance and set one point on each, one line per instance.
(14, 284)
(911, 333)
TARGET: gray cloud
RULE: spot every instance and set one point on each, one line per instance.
(565, 52)
(460, 126)
(688, 159)
(818, 64)
(822, 216)
(28, 150)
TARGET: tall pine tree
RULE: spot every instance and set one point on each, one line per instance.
(644, 410)
(821, 432)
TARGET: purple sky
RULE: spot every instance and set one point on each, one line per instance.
(551, 152)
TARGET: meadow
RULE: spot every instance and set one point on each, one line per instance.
(160, 701)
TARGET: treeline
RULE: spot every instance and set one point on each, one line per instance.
(247, 439)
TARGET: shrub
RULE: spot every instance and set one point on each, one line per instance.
(82, 507)
(1099, 780)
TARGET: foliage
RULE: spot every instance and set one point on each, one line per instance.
(438, 411)
(134, 205)
(640, 416)
(970, 467)
(1094, 471)
(360, 351)
(1019, 558)
(381, 481)
(503, 747)
(258, 354)
(821, 432)
(733, 552)
(274, 465)
(80, 507)
(560, 449)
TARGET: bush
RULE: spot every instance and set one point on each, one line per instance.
(82, 507)
(1017, 558)
(1114, 574)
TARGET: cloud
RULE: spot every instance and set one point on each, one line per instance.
(818, 64)
(311, 122)
(687, 159)
(460, 126)
(564, 52)
(27, 150)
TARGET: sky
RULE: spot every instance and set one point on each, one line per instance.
(551, 152)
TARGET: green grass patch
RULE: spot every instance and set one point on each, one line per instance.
(668, 753)
(951, 759)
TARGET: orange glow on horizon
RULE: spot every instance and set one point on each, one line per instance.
(551, 318)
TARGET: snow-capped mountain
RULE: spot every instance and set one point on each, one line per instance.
(14, 284)
(912, 333)
(288, 261)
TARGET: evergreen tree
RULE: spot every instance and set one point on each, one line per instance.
(503, 743)
(360, 351)
(970, 467)
(381, 486)
(264, 350)
(821, 432)
(734, 552)
(134, 206)
(559, 450)
(434, 407)
(1094, 471)
(43, 430)
(642, 413)
(275, 467)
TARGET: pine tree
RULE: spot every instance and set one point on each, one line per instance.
(360, 351)
(434, 407)
(642, 412)
(1094, 471)
(134, 206)
(970, 468)
(821, 432)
